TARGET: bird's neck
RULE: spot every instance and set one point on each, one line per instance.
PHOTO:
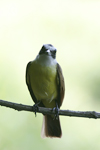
(45, 60)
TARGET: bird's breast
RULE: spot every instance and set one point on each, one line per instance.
(44, 81)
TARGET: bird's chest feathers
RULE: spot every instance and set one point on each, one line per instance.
(44, 68)
(44, 74)
(44, 79)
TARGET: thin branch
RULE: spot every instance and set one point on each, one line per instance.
(21, 107)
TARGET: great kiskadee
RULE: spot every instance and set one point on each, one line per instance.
(45, 82)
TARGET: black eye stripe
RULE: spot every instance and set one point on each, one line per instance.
(43, 49)
(53, 51)
(53, 54)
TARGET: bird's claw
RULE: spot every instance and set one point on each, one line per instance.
(35, 107)
(56, 109)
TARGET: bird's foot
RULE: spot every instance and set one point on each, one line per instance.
(56, 109)
(35, 107)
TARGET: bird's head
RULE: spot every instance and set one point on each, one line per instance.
(49, 50)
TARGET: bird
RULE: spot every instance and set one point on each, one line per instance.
(45, 82)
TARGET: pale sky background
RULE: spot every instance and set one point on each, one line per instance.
(73, 27)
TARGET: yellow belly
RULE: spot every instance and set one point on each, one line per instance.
(44, 83)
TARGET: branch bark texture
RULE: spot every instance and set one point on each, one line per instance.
(71, 113)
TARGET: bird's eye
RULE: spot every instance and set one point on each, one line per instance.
(43, 50)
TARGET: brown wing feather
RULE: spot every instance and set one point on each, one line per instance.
(61, 86)
(29, 84)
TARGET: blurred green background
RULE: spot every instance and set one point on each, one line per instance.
(73, 27)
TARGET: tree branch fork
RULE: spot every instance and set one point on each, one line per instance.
(71, 113)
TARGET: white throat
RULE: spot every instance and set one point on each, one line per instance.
(45, 60)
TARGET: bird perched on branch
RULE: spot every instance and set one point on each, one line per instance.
(45, 82)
